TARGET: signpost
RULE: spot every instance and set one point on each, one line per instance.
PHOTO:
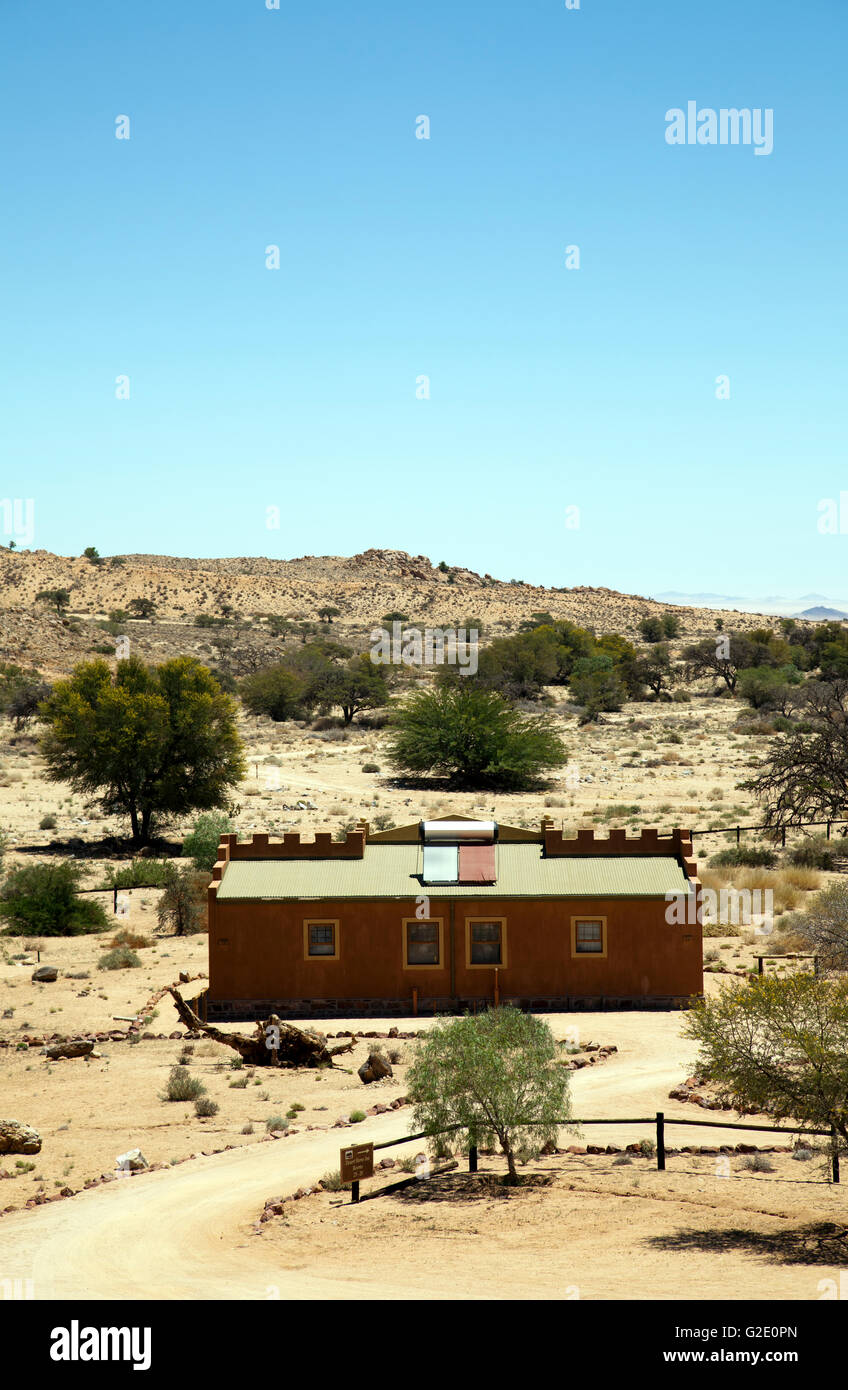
(356, 1162)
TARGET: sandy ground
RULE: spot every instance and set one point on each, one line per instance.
(606, 1231)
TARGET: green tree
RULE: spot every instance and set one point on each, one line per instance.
(652, 629)
(473, 736)
(496, 1073)
(280, 626)
(201, 844)
(518, 667)
(43, 900)
(359, 684)
(328, 613)
(538, 619)
(21, 692)
(93, 554)
(779, 1046)
(670, 625)
(275, 691)
(596, 685)
(724, 657)
(153, 742)
(767, 687)
(657, 672)
(142, 607)
(60, 598)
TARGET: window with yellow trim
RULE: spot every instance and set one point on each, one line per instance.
(486, 942)
(589, 936)
(322, 939)
(422, 943)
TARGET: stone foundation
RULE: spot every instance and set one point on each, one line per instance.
(246, 1010)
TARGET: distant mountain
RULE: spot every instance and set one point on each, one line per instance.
(819, 613)
(774, 605)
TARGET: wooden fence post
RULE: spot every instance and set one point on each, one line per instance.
(354, 1192)
(835, 1154)
(738, 834)
(472, 1158)
(660, 1142)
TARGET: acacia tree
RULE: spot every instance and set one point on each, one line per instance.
(824, 925)
(804, 775)
(656, 671)
(142, 607)
(181, 905)
(60, 598)
(779, 1046)
(358, 685)
(150, 741)
(495, 1073)
(472, 736)
(724, 657)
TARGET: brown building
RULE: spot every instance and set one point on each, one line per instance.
(454, 914)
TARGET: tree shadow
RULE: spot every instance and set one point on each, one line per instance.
(823, 1243)
(110, 847)
(469, 1187)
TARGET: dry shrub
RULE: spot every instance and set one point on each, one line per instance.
(808, 879)
(134, 940)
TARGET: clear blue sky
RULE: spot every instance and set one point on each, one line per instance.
(445, 257)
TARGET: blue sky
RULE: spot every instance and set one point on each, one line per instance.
(550, 388)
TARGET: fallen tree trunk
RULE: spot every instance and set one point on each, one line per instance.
(297, 1047)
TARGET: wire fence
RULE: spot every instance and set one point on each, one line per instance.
(774, 831)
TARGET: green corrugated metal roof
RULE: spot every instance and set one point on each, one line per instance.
(394, 871)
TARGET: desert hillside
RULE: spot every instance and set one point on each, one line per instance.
(363, 587)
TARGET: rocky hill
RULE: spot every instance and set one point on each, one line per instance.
(363, 587)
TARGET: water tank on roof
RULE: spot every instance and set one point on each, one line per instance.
(480, 832)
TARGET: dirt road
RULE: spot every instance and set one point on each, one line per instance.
(183, 1233)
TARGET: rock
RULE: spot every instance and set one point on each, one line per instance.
(79, 1047)
(45, 974)
(184, 978)
(133, 1161)
(387, 1163)
(548, 1148)
(374, 1069)
(16, 1138)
